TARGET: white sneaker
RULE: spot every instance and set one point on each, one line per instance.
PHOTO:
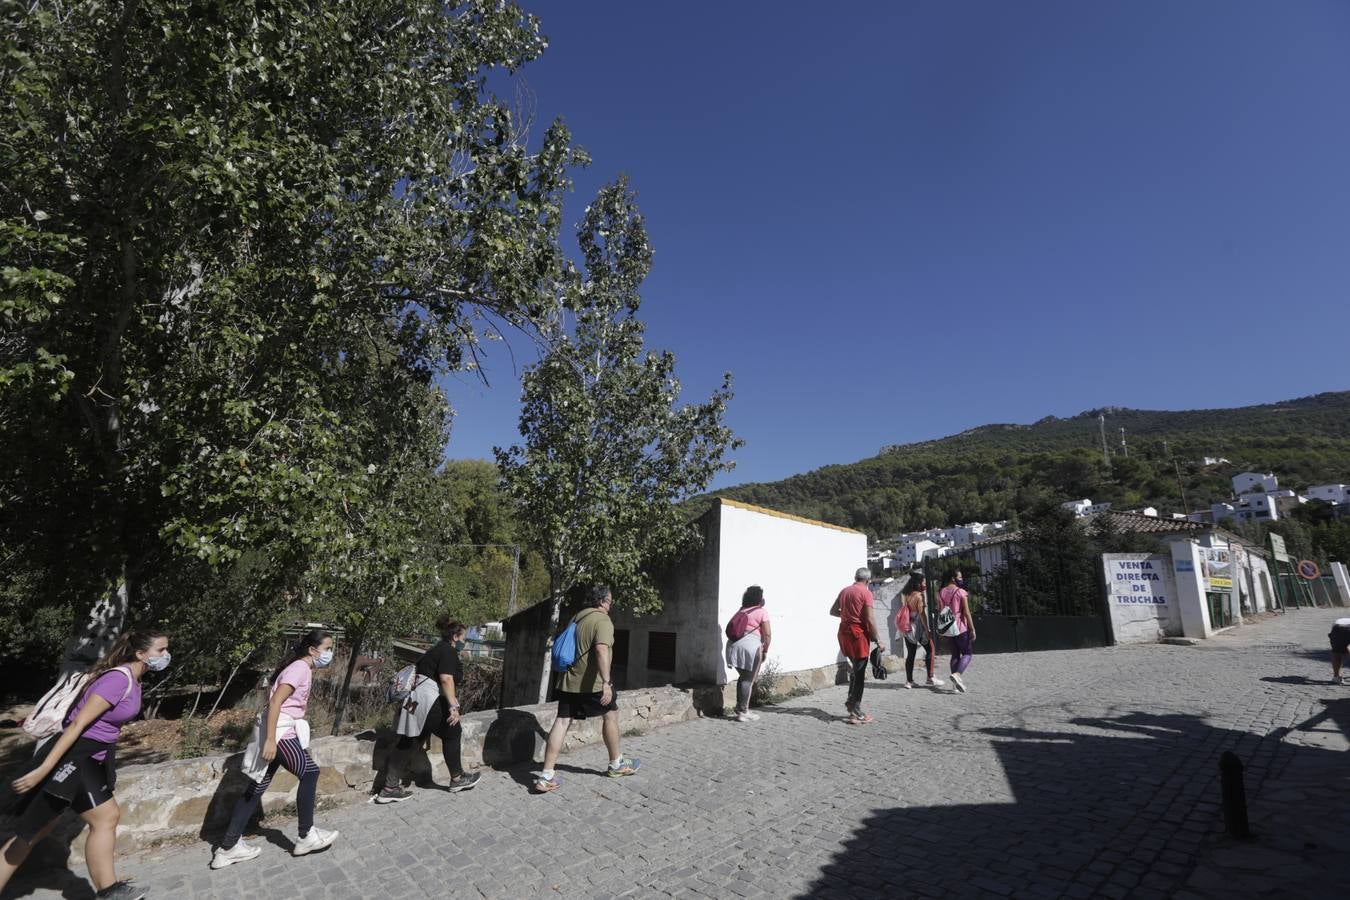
(956, 680)
(752, 716)
(909, 685)
(935, 682)
(317, 839)
(242, 851)
(743, 717)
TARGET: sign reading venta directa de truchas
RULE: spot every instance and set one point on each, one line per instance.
(1135, 580)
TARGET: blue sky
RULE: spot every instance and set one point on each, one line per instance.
(896, 221)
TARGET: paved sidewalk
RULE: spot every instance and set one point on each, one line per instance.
(1082, 773)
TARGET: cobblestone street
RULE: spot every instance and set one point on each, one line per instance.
(1083, 773)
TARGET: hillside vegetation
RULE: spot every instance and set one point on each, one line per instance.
(1003, 471)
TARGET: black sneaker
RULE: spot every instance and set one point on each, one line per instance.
(121, 890)
(393, 794)
(464, 782)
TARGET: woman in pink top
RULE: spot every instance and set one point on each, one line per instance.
(75, 769)
(954, 597)
(748, 636)
(281, 738)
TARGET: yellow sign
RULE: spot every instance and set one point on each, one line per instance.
(1216, 568)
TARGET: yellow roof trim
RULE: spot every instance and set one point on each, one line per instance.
(789, 516)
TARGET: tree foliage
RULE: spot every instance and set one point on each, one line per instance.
(239, 242)
(608, 451)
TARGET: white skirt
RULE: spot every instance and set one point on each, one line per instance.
(744, 654)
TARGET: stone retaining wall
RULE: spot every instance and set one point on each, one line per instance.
(195, 796)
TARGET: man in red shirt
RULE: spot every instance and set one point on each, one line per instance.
(857, 632)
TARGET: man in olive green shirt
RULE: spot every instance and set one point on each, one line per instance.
(587, 689)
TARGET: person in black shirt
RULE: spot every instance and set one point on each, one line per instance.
(432, 707)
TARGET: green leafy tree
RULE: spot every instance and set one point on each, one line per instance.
(207, 216)
(608, 451)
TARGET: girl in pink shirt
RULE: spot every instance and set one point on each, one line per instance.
(282, 739)
(748, 636)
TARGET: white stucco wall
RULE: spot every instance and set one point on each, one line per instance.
(1142, 597)
(801, 565)
(1191, 602)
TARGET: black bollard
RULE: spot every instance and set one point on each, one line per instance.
(1234, 795)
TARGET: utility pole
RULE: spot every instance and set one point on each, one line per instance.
(1123, 447)
(1106, 454)
(1185, 507)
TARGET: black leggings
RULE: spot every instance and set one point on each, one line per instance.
(438, 723)
(911, 651)
(299, 763)
(856, 678)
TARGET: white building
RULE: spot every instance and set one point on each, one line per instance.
(1081, 508)
(1329, 493)
(1214, 460)
(1247, 508)
(743, 545)
(912, 551)
(915, 546)
(1286, 502)
(1249, 482)
(684, 641)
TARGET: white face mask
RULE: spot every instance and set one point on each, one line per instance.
(158, 663)
(325, 658)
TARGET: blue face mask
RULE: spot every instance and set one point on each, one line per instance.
(459, 646)
(158, 663)
(325, 659)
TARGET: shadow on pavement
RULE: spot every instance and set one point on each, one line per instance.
(1121, 806)
(810, 712)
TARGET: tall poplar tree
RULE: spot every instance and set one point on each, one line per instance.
(608, 450)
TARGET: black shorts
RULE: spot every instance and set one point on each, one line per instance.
(39, 808)
(583, 706)
(1340, 638)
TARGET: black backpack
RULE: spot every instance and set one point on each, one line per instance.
(878, 670)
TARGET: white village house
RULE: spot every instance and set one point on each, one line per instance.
(801, 564)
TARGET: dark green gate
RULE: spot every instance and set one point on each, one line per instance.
(1033, 598)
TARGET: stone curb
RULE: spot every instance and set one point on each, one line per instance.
(188, 797)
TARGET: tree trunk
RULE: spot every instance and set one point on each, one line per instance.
(223, 689)
(555, 603)
(345, 693)
(98, 631)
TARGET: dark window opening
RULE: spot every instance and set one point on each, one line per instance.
(661, 651)
(620, 647)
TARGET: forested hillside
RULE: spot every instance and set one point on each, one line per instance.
(1001, 471)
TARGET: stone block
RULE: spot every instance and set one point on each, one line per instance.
(332, 782)
(190, 813)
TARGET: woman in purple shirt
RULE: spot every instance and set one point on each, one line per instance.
(75, 769)
(953, 596)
